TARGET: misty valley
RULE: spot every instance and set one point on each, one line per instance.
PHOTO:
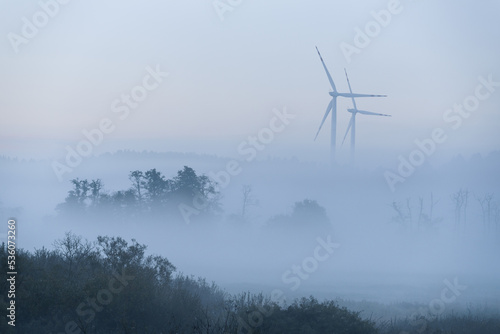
(150, 243)
(249, 167)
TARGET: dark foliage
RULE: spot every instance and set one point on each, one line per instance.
(307, 215)
(186, 197)
(111, 286)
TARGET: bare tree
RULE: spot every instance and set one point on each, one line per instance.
(400, 216)
(460, 200)
(466, 202)
(408, 207)
(486, 209)
(431, 209)
(426, 218)
(137, 178)
(420, 211)
(248, 199)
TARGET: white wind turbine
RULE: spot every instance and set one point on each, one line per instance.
(332, 106)
(352, 122)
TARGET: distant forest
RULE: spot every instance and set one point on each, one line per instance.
(191, 198)
(186, 198)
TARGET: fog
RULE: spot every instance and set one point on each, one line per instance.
(375, 256)
(237, 95)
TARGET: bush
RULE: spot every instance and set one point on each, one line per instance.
(111, 286)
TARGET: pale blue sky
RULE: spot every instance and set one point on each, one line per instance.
(225, 77)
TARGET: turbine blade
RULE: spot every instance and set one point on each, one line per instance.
(364, 112)
(350, 89)
(359, 95)
(348, 128)
(327, 73)
(324, 117)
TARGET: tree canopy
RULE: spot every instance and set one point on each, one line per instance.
(150, 193)
(112, 286)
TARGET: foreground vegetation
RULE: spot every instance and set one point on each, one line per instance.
(112, 286)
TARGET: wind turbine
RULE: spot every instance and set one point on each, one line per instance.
(352, 122)
(332, 106)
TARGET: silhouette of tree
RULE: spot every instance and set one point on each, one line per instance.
(124, 202)
(248, 200)
(460, 200)
(197, 191)
(151, 193)
(188, 184)
(137, 178)
(487, 213)
(307, 215)
(309, 212)
(95, 191)
(156, 188)
(76, 201)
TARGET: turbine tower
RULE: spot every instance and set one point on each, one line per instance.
(352, 122)
(332, 106)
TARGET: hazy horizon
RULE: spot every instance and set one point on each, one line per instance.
(226, 76)
(159, 104)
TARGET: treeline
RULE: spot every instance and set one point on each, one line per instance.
(466, 207)
(187, 196)
(111, 286)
